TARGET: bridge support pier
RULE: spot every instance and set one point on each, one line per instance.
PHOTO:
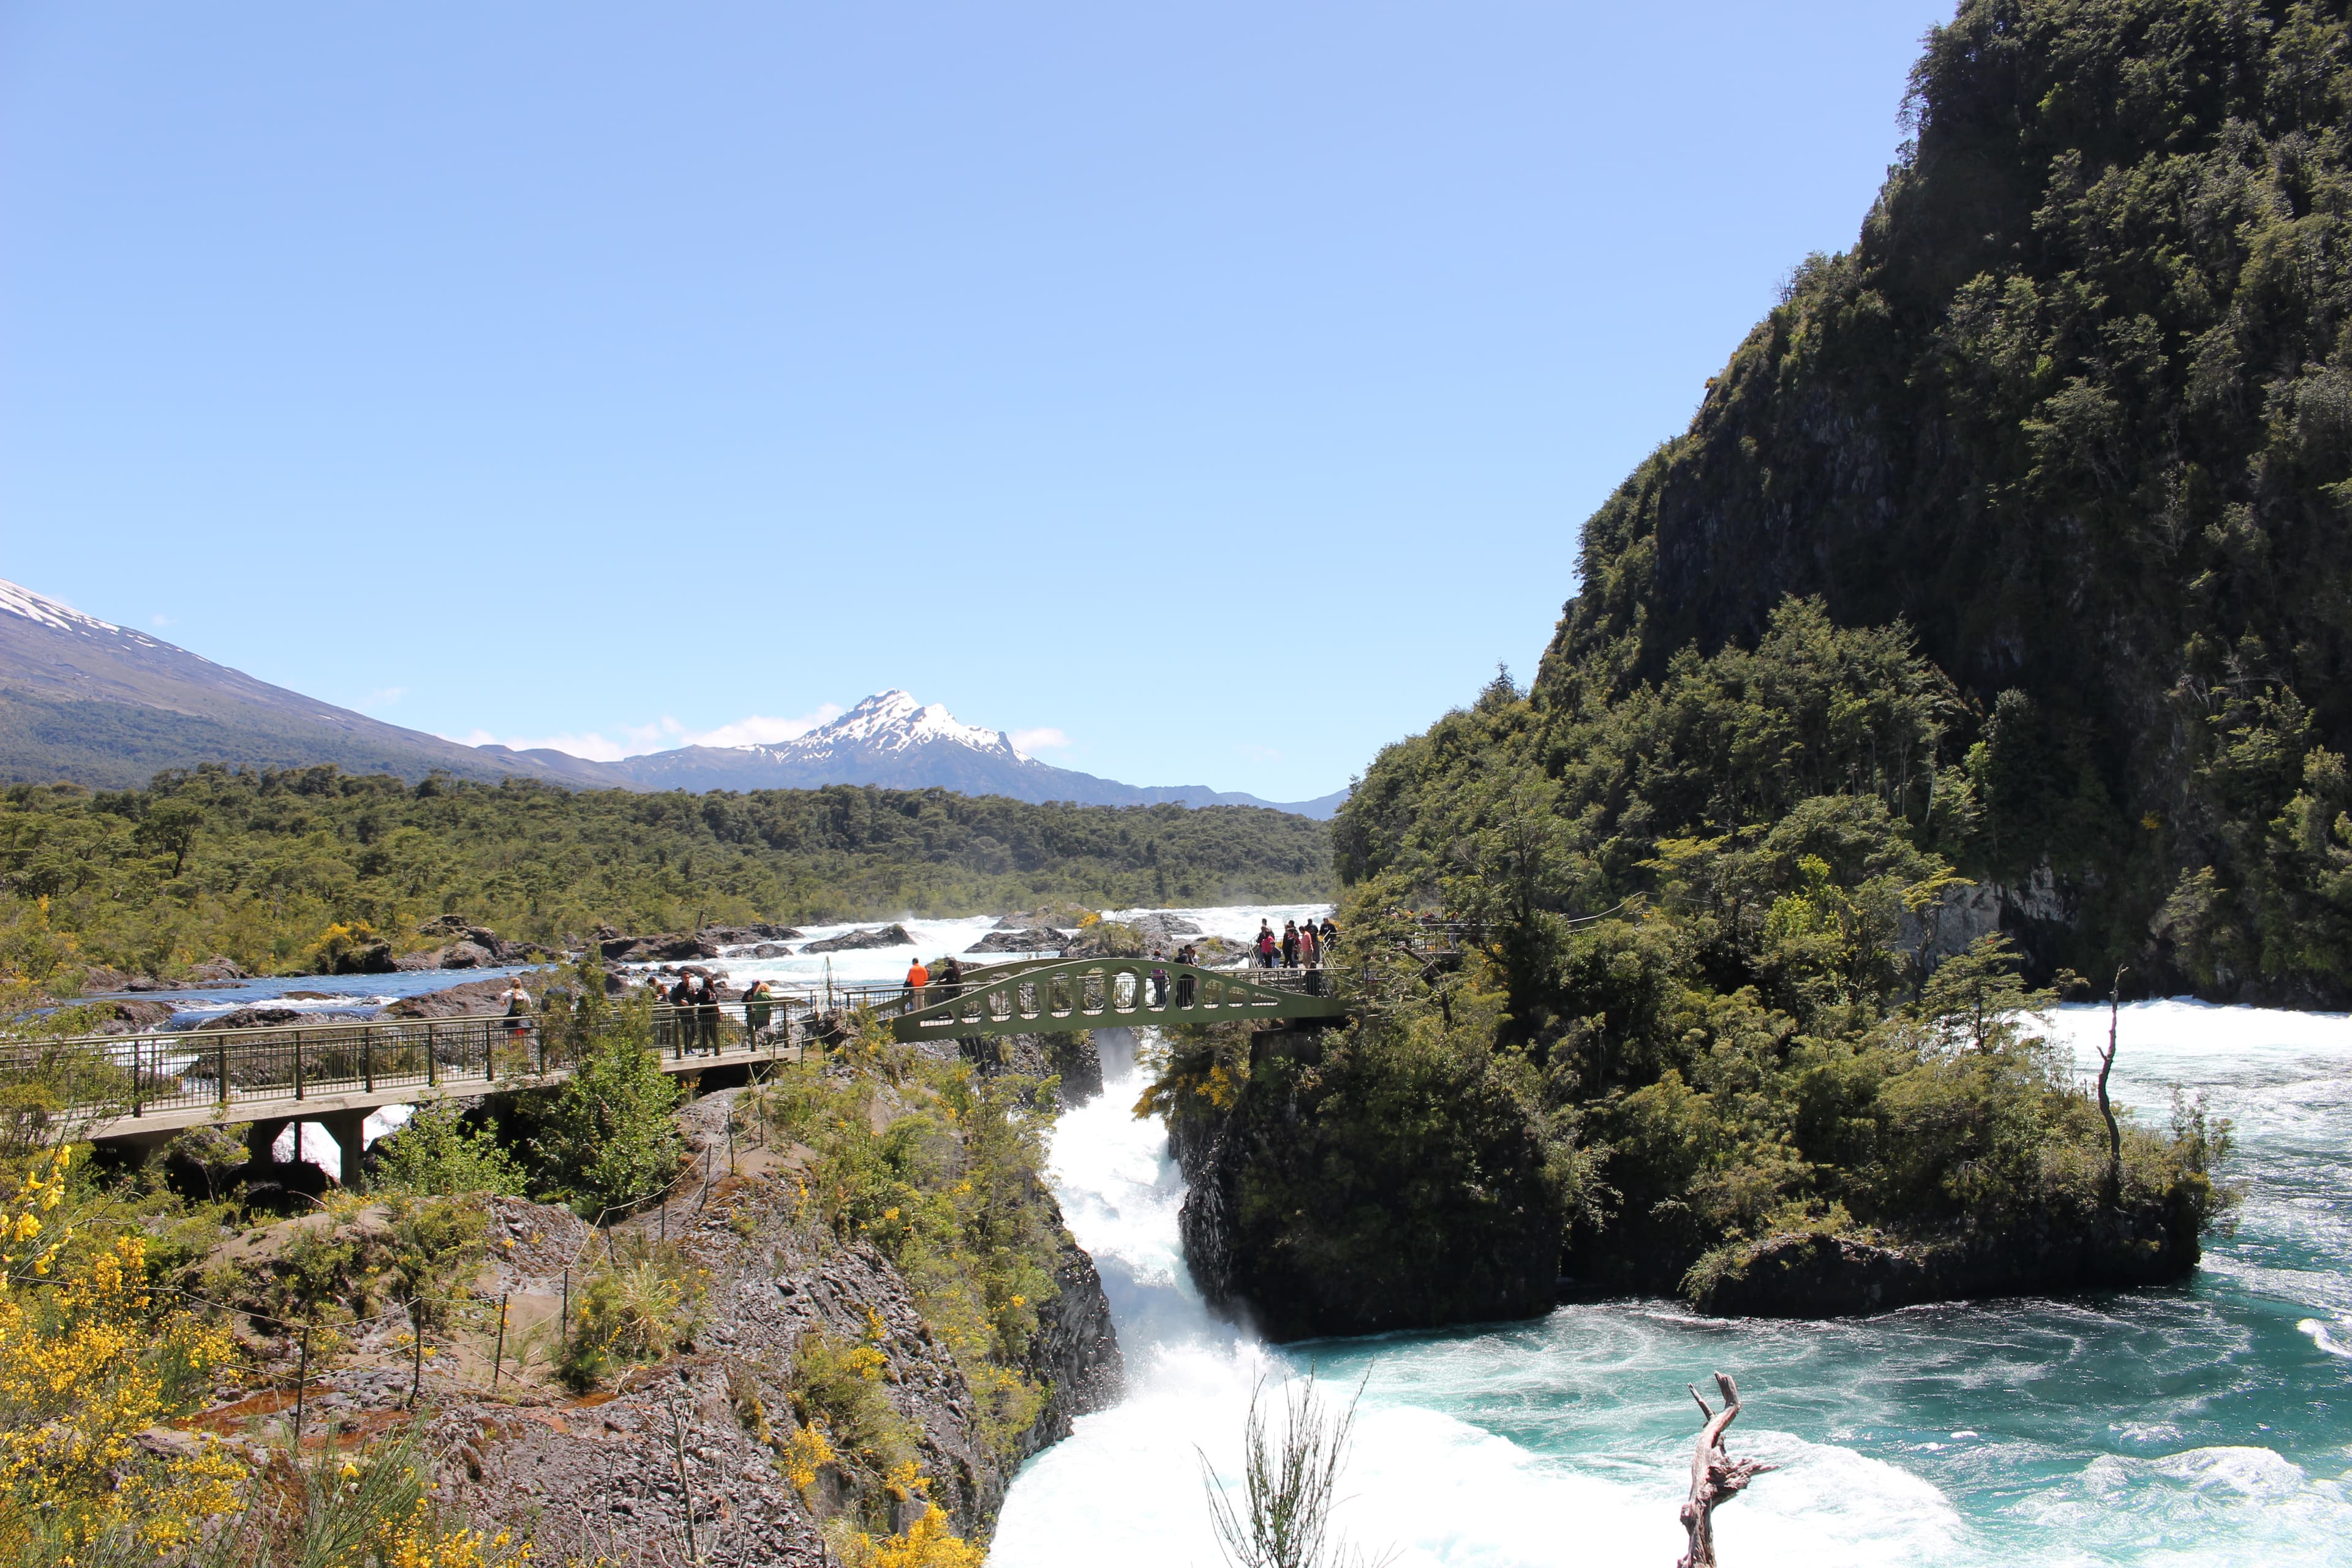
(261, 1141)
(349, 1130)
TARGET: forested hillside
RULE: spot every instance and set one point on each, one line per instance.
(1991, 617)
(2060, 452)
(257, 865)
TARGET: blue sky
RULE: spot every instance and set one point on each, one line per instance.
(1210, 393)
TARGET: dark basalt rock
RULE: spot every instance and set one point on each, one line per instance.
(1032, 939)
(744, 935)
(667, 948)
(472, 1000)
(264, 1017)
(1070, 1056)
(855, 941)
(1818, 1275)
(131, 1018)
(1314, 1224)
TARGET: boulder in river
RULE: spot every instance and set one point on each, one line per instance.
(475, 998)
(856, 941)
(667, 948)
(744, 935)
(215, 972)
(1032, 939)
(1066, 916)
(130, 1016)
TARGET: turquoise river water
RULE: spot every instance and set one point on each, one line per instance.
(2208, 1424)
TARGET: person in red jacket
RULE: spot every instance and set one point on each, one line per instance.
(917, 979)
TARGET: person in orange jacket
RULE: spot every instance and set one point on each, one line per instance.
(917, 979)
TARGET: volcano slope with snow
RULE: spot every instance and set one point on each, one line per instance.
(98, 704)
(85, 699)
(894, 741)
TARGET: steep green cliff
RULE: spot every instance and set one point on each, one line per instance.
(1992, 619)
(2077, 410)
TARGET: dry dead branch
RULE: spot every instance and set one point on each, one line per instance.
(1715, 1476)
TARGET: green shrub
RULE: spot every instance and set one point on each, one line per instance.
(436, 1154)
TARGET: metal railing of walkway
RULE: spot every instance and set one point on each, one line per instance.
(151, 1083)
(1047, 995)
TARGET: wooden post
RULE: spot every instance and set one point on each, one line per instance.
(297, 1089)
(302, 1385)
(564, 1323)
(2114, 1177)
(1715, 1476)
(499, 1356)
(417, 1333)
(684, 1488)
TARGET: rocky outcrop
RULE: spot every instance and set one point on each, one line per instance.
(1075, 1352)
(1029, 939)
(1820, 1274)
(1070, 1056)
(669, 947)
(1311, 1211)
(694, 1442)
(856, 941)
(131, 1018)
(472, 1000)
(1066, 916)
(255, 1018)
(744, 935)
(217, 972)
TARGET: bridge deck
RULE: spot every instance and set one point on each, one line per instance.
(330, 1070)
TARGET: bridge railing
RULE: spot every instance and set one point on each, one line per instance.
(1114, 991)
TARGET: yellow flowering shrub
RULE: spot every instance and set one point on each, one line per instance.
(805, 1452)
(87, 1364)
(927, 1542)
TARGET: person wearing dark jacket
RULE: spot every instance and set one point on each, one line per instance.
(681, 1012)
(706, 1014)
(1290, 944)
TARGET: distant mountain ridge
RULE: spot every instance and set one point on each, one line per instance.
(85, 700)
(893, 741)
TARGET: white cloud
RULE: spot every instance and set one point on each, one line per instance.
(759, 731)
(1033, 739)
(159, 620)
(662, 735)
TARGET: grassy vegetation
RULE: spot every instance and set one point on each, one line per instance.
(268, 867)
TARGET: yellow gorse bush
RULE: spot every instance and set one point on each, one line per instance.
(86, 1366)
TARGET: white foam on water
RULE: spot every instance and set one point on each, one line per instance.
(1558, 1441)
(1126, 1487)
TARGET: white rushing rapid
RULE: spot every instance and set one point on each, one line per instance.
(2185, 1425)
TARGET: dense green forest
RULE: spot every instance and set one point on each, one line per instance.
(2071, 426)
(1992, 619)
(257, 865)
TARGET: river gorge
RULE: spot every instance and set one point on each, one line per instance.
(2199, 1424)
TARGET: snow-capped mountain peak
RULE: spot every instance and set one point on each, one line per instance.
(16, 599)
(889, 722)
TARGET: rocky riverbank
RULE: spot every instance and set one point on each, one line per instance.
(708, 1441)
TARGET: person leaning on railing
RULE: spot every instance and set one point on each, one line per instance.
(919, 980)
(705, 1014)
(759, 1007)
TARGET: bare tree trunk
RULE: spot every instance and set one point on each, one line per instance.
(2114, 1182)
(1715, 1476)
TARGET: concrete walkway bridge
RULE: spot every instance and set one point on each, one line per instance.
(140, 1091)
